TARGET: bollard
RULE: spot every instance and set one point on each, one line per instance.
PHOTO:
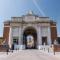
(7, 51)
(48, 50)
(54, 52)
(12, 51)
(44, 49)
(54, 49)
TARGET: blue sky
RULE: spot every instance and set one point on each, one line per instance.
(9, 8)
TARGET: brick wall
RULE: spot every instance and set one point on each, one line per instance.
(6, 33)
(3, 48)
(57, 48)
(53, 31)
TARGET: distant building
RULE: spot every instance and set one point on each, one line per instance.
(29, 31)
(1, 40)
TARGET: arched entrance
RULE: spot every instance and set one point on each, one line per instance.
(30, 38)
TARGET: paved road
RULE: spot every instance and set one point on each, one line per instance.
(28, 55)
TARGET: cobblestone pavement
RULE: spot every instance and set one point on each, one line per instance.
(28, 55)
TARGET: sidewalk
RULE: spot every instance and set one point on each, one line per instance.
(29, 55)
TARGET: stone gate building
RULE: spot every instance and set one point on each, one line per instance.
(29, 31)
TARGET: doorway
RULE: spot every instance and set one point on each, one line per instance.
(44, 40)
(30, 38)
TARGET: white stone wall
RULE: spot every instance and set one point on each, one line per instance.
(41, 29)
(45, 32)
(29, 18)
(39, 42)
(15, 31)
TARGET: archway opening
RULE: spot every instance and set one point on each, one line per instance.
(30, 38)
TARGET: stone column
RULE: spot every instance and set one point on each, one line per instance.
(20, 40)
(39, 37)
(49, 36)
(10, 37)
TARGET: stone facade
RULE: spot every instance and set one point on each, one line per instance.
(41, 28)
